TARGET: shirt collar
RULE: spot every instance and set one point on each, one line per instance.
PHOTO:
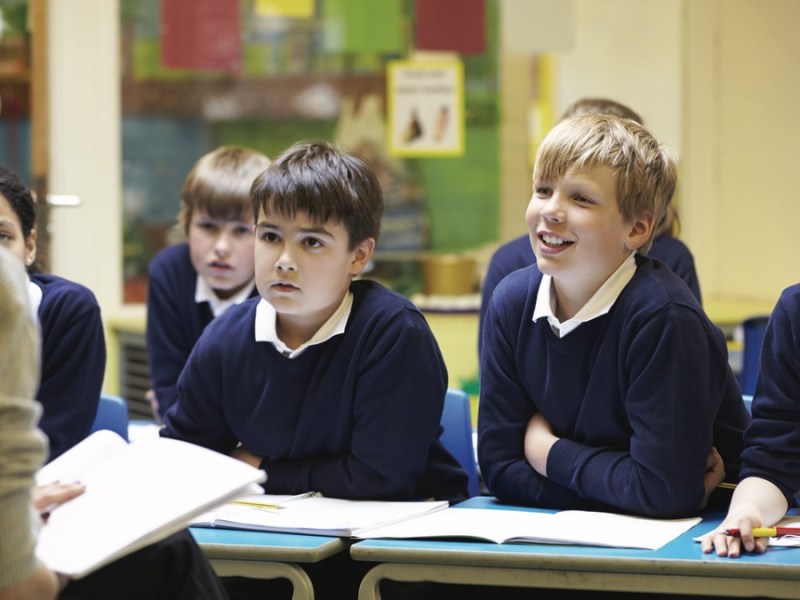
(266, 319)
(598, 305)
(35, 297)
(204, 293)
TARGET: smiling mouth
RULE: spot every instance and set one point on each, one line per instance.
(554, 241)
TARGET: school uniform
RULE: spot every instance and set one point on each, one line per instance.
(772, 440)
(73, 359)
(676, 255)
(638, 395)
(175, 319)
(518, 253)
(354, 416)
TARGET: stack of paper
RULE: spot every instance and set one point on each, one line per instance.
(136, 494)
(312, 514)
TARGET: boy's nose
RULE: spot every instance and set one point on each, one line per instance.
(286, 262)
(552, 209)
(222, 245)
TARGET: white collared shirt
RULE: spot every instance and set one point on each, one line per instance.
(35, 297)
(599, 304)
(266, 331)
(204, 293)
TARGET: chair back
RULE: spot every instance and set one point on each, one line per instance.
(457, 435)
(112, 413)
(753, 330)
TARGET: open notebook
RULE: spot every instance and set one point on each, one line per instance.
(313, 514)
(572, 527)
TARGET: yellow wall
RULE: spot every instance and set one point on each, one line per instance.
(741, 122)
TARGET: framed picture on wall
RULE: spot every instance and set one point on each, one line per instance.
(425, 100)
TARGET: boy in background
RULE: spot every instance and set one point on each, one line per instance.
(604, 386)
(192, 282)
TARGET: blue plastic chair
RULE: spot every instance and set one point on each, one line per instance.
(753, 330)
(457, 435)
(112, 414)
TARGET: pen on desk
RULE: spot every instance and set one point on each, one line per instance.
(766, 531)
(258, 504)
(727, 486)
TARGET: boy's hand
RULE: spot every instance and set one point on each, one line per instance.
(243, 454)
(42, 584)
(47, 497)
(152, 399)
(539, 439)
(726, 545)
(715, 474)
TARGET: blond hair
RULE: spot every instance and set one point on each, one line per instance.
(645, 171)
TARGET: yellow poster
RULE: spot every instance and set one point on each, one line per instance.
(299, 9)
(425, 102)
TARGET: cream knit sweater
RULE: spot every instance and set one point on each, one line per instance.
(22, 445)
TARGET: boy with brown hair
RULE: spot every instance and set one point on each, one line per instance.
(192, 282)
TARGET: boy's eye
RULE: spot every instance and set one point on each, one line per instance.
(207, 225)
(584, 200)
(243, 230)
(270, 236)
(5, 237)
(313, 243)
(543, 191)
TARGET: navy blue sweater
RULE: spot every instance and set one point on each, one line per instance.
(73, 361)
(354, 417)
(518, 254)
(174, 320)
(638, 397)
(772, 440)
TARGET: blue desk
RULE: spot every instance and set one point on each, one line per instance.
(678, 567)
(265, 555)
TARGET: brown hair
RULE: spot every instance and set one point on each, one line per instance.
(326, 184)
(219, 184)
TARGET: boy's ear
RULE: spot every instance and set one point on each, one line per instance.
(30, 248)
(640, 231)
(361, 256)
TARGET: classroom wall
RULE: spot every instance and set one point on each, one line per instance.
(628, 50)
(715, 79)
(741, 122)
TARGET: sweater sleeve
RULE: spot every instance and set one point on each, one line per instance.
(167, 346)
(73, 367)
(675, 378)
(22, 446)
(772, 440)
(505, 409)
